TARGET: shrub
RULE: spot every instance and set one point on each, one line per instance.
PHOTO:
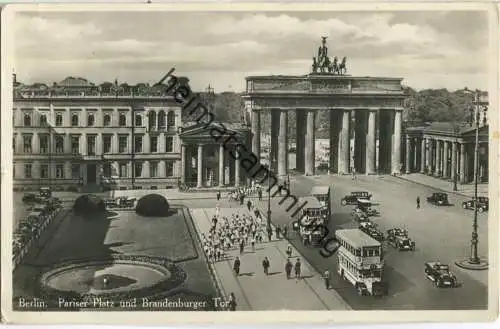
(152, 205)
(89, 204)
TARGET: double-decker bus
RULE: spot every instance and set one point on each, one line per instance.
(323, 194)
(311, 222)
(360, 261)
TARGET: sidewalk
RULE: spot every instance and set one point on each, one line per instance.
(256, 291)
(466, 190)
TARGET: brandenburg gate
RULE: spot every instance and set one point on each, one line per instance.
(362, 111)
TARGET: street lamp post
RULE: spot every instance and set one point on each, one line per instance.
(474, 262)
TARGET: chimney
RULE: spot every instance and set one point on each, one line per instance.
(14, 79)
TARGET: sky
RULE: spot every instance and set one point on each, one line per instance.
(427, 49)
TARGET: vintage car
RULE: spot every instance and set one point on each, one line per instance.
(323, 166)
(29, 198)
(482, 204)
(360, 217)
(399, 239)
(366, 206)
(371, 229)
(438, 199)
(440, 274)
(354, 197)
(45, 192)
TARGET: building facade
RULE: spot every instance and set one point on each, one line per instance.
(75, 133)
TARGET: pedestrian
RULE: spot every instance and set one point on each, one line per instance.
(236, 266)
(278, 232)
(242, 199)
(269, 233)
(218, 195)
(297, 268)
(260, 195)
(288, 268)
(418, 202)
(326, 277)
(285, 231)
(253, 243)
(266, 265)
(232, 302)
(289, 251)
(249, 205)
(242, 246)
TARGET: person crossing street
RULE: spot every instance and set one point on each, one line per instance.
(266, 265)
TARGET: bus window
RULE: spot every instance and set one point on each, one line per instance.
(358, 252)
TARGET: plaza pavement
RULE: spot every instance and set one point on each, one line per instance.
(256, 291)
(445, 185)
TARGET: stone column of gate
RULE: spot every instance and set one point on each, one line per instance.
(335, 128)
(462, 163)
(283, 145)
(423, 155)
(221, 165)
(236, 172)
(414, 153)
(396, 153)
(429, 155)
(437, 169)
(371, 143)
(200, 166)
(309, 143)
(408, 155)
(300, 118)
(256, 133)
(344, 147)
(453, 160)
(275, 125)
(445, 159)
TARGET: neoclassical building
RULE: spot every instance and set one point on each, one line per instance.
(77, 133)
(445, 150)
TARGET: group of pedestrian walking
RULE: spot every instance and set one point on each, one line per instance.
(227, 233)
(266, 265)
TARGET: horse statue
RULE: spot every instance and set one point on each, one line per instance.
(314, 65)
(326, 65)
(342, 69)
(333, 66)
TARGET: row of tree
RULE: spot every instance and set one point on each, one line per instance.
(428, 105)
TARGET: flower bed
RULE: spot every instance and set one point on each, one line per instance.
(28, 231)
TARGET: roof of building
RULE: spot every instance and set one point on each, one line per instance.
(356, 238)
(312, 202)
(316, 190)
(443, 127)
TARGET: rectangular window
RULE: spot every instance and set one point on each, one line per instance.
(154, 144)
(75, 144)
(169, 144)
(169, 169)
(123, 170)
(27, 143)
(44, 144)
(75, 171)
(107, 143)
(122, 144)
(106, 169)
(138, 144)
(59, 170)
(90, 145)
(138, 169)
(44, 171)
(153, 169)
(59, 143)
(27, 170)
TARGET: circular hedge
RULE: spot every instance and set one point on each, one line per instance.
(152, 205)
(89, 204)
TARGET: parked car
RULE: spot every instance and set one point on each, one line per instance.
(440, 274)
(399, 239)
(354, 197)
(371, 229)
(360, 217)
(482, 204)
(29, 198)
(438, 199)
